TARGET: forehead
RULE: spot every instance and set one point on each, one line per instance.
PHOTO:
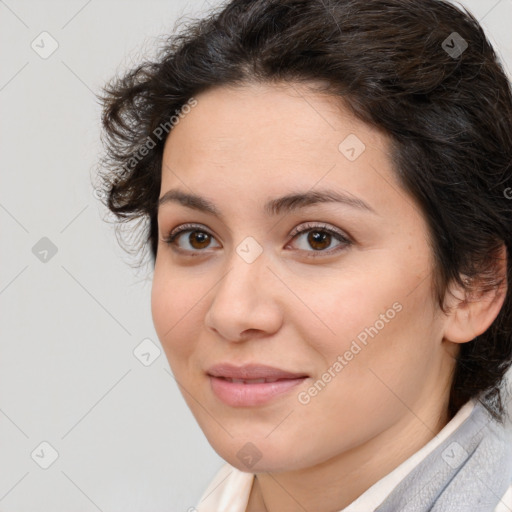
(254, 114)
(263, 140)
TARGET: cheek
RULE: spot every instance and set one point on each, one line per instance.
(367, 391)
(388, 359)
(174, 308)
(379, 320)
(348, 307)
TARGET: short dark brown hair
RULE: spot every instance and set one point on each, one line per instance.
(422, 71)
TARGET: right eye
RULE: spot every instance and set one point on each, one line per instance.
(198, 239)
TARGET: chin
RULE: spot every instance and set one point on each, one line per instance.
(259, 456)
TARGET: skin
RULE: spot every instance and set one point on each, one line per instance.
(240, 147)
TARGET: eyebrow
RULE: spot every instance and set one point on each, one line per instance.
(273, 207)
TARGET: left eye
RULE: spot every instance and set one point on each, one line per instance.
(319, 237)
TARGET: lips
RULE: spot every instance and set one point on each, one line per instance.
(249, 381)
(252, 373)
(252, 384)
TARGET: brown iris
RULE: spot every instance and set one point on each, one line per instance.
(319, 237)
(202, 239)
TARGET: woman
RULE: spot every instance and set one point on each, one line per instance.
(327, 193)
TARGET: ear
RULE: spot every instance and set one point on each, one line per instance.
(472, 313)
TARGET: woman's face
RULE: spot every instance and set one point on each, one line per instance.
(347, 302)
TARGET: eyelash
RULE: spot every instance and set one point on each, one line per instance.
(170, 239)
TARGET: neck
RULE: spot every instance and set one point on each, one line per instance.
(337, 482)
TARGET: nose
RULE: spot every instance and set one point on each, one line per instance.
(245, 301)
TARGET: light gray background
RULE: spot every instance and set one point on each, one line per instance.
(125, 439)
